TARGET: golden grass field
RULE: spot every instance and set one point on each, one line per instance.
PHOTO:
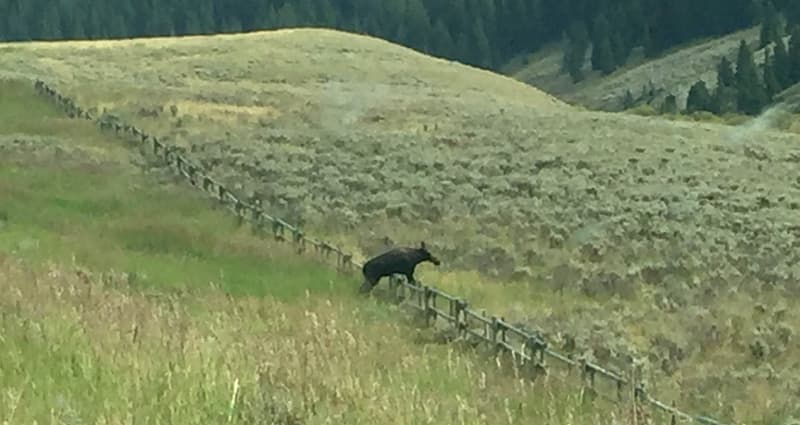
(621, 237)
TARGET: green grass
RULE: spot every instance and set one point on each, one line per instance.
(107, 217)
(165, 239)
(98, 348)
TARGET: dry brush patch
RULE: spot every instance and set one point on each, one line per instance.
(82, 347)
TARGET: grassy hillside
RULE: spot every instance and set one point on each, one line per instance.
(633, 241)
(127, 298)
(672, 72)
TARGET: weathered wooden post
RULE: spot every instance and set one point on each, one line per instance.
(299, 240)
(461, 317)
(426, 291)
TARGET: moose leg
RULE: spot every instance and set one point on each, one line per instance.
(411, 280)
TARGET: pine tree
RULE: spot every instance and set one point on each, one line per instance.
(50, 28)
(794, 55)
(603, 56)
(326, 14)
(287, 16)
(699, 98)
(771, 84)
(482, 53)
(782, 64)
(418, 26)
(752, 96)
(647, 42)
(602, 53)
(628, 101)
(620, 49)
(442, 44)
(670, 105)
(575, 52)
(725, 76)
(770, 26)
(725, 94)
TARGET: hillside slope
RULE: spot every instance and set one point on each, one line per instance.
(673, 72)
(128, 297)
(637, 242)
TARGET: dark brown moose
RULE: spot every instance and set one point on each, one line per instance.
(396, 261)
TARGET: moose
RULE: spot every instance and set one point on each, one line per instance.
(396, 261)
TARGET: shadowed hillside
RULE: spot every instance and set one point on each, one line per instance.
(673, 72)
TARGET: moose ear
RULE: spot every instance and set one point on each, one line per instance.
(422, 244)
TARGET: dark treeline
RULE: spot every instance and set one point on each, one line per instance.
(484, 33)
(745, 87)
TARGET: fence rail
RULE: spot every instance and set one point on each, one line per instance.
(529, 348)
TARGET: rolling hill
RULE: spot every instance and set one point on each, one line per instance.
(129, 297)
(638, 242)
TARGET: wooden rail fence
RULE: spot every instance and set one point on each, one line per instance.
(528, 348)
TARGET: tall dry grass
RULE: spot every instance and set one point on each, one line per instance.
(84, 348)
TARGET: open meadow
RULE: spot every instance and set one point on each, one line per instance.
(633, 241)
(128, 298)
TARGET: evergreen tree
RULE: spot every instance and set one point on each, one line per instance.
(482, 54)
(287, 16)
(441, 41)
(628, 100)
(575, 52)
(602, 54)
(50, 28)
(325, 12)
(782, 64)
(620, 50)
(725, 100)
(794, 55)
(771, 84)
(418, 26)
(647, 42)
(770, 26)
(725, 94)
(670, 105)
(699, 98)
(725, 76)
(752, 95)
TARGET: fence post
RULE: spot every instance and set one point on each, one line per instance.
(238, 207)
(299, 240)
(494, 327)
(461, 317)
(673, 419)
(426, 293)
(179, 164)
(536, 349)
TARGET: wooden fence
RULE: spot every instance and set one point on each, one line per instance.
(529, 350)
